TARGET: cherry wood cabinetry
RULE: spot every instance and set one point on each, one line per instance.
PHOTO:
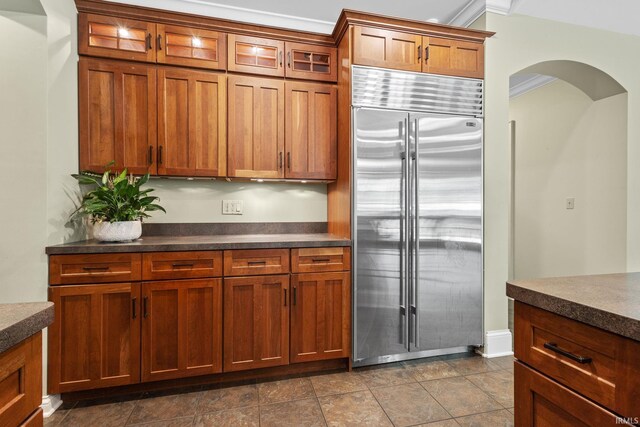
(570, 365)
(251, 262)
(94, 268)
(387, 49)
(21, 383)
(311, 130)
(181, 328)
(191, 123)
(191, 47)
(117, 113)
(311, 62)
(116, 37)
(181, 265)
(316, 260)
(94, 340)
(413, 52)
(320, 316)
(256, 322)
(543, 402)
(453, 57)
(256, 127)
(256, 55)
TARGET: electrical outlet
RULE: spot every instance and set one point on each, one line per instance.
(571, 202)
(232, 207)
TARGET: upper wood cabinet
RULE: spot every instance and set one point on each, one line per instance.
(192, 119)
(191, 47)
(256, 55)
(412, 52)
(311, 130)
(387, 49)
(115, 37)
(256, 127)
(311, 62)
(256, 322)
(94, 340)
(181, 328)
(453, 57)
(117, 115)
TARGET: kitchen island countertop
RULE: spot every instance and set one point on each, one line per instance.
(21, 320)
(608, 301)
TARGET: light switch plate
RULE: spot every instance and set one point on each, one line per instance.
(232, 207)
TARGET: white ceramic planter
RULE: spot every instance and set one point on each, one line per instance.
(119, 231)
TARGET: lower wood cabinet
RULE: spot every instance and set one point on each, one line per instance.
(21, 383)
(320, 316)
(256, 322)
(94, 341)
(542, 402)
(181, 328)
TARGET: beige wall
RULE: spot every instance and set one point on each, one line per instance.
(566, 145)
(520, 42)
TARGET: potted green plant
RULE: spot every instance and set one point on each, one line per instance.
(117, 205)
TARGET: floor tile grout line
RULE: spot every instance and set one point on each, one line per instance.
(437, 401)
(382, 407)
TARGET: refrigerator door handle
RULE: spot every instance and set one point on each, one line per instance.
(416, 234)
(404, 226)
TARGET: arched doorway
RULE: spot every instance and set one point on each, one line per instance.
(569, 173)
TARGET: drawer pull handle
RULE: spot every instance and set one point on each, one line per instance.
(95, 268)
(186, 264)
(320, 259)
(554, 347)
(257, 262)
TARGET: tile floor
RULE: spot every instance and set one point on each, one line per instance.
(437, 392)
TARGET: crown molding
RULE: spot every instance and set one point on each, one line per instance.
(469, 13)
(234, 13)
(501, 7)
(528, 85)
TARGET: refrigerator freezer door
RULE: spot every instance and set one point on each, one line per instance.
(447, 295)
(380, 228)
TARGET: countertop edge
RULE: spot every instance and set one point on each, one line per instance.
(608, 321)
(26, 327)
(175, 247)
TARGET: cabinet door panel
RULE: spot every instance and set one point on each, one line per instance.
(311, 131)
(117, 116)
(94, 341)
(192, 123)
(454, 57)
(311, 62)
(115, 37)
(256, 322)
(181, 328)
(320, 316)
(256, 55)
(191, 47)
(387, 49)
(256, 127)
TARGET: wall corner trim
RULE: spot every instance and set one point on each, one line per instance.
(467, 16)
(501, 7)
(497, 344)
(50, 403)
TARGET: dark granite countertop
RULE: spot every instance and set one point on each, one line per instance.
(200, 243)
(608, 301)
(19, 321)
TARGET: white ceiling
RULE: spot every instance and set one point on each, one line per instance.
(329, 10)
(622, 16)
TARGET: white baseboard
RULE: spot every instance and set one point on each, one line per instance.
(497, 344)
(50, 403)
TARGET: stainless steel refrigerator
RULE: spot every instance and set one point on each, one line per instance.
(417, 214)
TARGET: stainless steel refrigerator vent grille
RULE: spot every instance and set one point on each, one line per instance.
(399, 90)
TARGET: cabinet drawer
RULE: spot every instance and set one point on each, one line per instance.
(540, 401)
(35, 420)
(21, 381)
(94, 268)
(181, 265)
(609, 372)
(310, 260)
(256, 261)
